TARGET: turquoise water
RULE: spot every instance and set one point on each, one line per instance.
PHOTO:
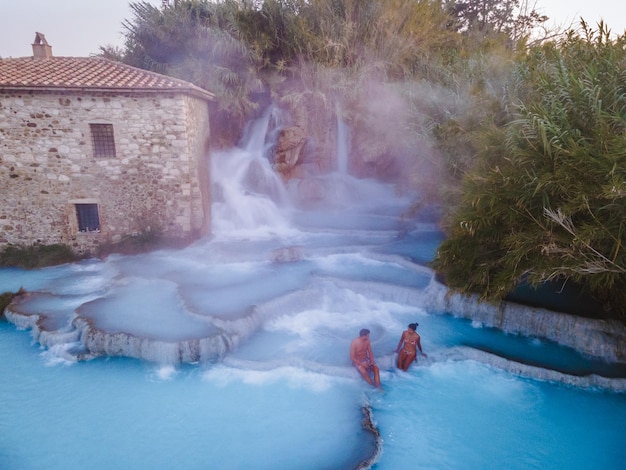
(125, 413)
(287, 397)
(445, 414)
(284, 395)
(467, 415)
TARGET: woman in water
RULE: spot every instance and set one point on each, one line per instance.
(408, 352)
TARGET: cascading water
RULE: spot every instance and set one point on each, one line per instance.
(246, 337)
(248, 195)
(343, 146)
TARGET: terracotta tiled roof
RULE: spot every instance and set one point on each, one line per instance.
(87, 73)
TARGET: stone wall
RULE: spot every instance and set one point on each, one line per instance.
(158, 180)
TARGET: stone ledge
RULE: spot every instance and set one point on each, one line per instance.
(604, 339)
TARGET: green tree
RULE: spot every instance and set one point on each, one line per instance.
(547, 197)
(276, 32)
(198, 41)
(515, 18)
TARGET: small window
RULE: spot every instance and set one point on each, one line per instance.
(87, 215)
(103, 140)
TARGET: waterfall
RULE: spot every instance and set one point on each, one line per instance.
(249, 198)
(260, 134)
(343, 146)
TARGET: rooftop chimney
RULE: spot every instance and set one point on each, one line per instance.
(41, 48)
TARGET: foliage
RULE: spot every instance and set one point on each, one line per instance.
(112, 53)
(197, 41)
(237, 48)
(275, 32)
(36, 256)
(481, 18)
(547, 197)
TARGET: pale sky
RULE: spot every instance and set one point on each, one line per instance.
(74, 28)
(78, 27)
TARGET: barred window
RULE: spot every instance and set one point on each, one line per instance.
(87, 216)
(103, 141)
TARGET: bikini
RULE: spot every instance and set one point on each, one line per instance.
(413, 342)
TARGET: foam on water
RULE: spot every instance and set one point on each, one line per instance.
(292, 377)
(247, 193)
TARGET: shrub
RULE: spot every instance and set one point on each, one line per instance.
(36, 256)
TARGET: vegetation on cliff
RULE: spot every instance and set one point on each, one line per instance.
(521, 133)
(546, 199)
(36, 255)
(406, 76)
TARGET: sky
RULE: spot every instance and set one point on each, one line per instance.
(79, 27)
(74, 28)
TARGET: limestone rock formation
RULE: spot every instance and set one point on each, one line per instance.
(289, 147)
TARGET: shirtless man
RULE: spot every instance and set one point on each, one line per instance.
(363, 359)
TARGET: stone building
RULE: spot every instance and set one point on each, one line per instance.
(93, 151)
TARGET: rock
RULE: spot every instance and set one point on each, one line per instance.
(287, 254)
(603, 339)
(289, 147)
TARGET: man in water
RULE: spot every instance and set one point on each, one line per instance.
(363, 359)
